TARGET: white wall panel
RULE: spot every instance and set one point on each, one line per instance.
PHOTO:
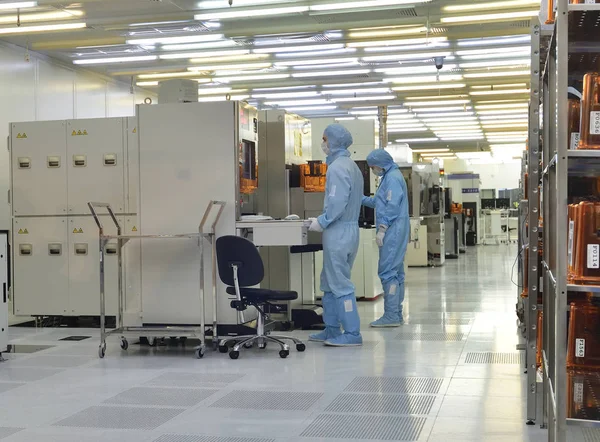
(55, 92)
(121, 102)
(90, 96)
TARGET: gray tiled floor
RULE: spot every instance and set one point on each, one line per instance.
(66, 394)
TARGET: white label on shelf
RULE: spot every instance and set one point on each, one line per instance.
(594, 123)
(578, 392)
(590, 2)
(574, 140)
(579, 348)
(593, 258)
(570, 252)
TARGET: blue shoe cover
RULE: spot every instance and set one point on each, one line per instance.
(328, 333)
(345, 340)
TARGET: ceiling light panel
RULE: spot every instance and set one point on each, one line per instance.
(519, 73)
(367, 98)
(319, 53)
(501, 92)
(225, 58)
(330, 73)
(42, 28)
(316, 62)
(427, 87)
(199, 46)
(111, 60)
(42, 16)
(227, 79)
(482, 6)
(175, 40)
(225, 67)
(405, 41)
(297, 94)
(193, 55)
(424, 79)
(365, 4)
(488, 64)
(495, 41)
(251, 13)
(17, 5)
(388, 32)
(416, 47)
(303, 48)
(502, 16)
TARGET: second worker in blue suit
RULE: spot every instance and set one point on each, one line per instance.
(339, 224)
(393, 230)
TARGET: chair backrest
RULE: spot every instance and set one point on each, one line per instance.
(237, 250)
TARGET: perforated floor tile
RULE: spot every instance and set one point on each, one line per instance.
(432, 336)
(493, 358)
(6, 386)
(376, 403)
(365, 427)
(174, 379)
(120, 418)
(173, 397)
(268, 400)
(591, 434)
(367, 384)
(58, 361)
(7, 431)
(438, 321)
(183, 438)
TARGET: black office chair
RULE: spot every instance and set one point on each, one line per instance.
(240, 267)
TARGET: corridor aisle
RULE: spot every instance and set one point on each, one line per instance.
(430, 380)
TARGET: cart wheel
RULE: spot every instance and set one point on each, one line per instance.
(234, 354)
(300, 347)
(223, 349)
(200, 352)
(262, 345)
(124, 344)
(101, 351)
(249, 345)
(151, 341)
(284, 354)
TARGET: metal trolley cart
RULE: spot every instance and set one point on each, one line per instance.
(154, 331)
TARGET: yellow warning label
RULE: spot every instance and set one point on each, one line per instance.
(134, 229)
(135, 130)
(79, 132)
(25, 232)
(84, 132)
(20, 231)
(21, 135)
(73, 133)
(75, 230)
(80, 230)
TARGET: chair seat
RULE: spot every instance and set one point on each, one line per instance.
(264, 295)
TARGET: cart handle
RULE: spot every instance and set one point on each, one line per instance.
(93, 209)
(207, 212)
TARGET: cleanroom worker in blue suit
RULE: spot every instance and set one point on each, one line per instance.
(393, 230)
(339, 224)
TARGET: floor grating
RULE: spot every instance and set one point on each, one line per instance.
(431, 336)
(120, 418)
(365, 427)
(168, 397)
(376, 403)
(75, 338)
(591, 434)
(366, 384)
(6, 386)
(437, 321)
(494, 358)
(8, 431)
(184, 438)
(268, 400)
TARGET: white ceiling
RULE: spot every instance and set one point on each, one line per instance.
(316, 58)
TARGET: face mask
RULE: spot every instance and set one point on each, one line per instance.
(325, 148)
(378, 171)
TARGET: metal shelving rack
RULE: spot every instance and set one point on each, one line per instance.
(572, 50)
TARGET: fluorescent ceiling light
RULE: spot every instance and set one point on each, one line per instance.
(167, 75)
(18, 5)
(493, 50)
(456, 128)
(501, 92)
(330, 73)
(226, 67)
(442, 109)
(193, 55)
(393, 130)
(388, 32)
(297, 103)
(425, 79)
(146, 83)
(247, 13)
(315, 62)
(156, 23)
(455, 122)
(434, 97)
(219, 4)
(110, 60)
(519, 106)
(42, 28)
(439, 154)
(472, 155)
(504, 126)
(332, 65)
(462, 137)
(381, 90)
(345, 118)
(409, 70)
(175, 40)
(347, 85)
(252, 77)
(429, 87)
(421, 140)
(405, 41)
(490, 17)
(197, 46)
(315, 53)
(283, 88)
(287, 95)
(26, 18)
(367, 98)
(500, 86)
(447, 116)
(223, 98)
(487, 119)
(494, 41)
(417, 47)
(310, 108)
(490, 5)
(363, 4)
(412, 56)
(507, 55)
(304, 48)
(225, 58)
(436, 103)
(507, 134)
(368, 117)
(219, 90)
(488, 64)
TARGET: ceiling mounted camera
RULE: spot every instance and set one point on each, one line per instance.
(439, 62)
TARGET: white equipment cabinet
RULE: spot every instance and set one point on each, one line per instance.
(4, 294)
(56, 168)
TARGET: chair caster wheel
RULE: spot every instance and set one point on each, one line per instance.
(234, 354)
(223, 349)
(530, 423)
(262, 346)
(152, 341)
(250, 345)
(200, 353)
(124, 344)
(300, 347)
(102, 351)
(284, 354)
